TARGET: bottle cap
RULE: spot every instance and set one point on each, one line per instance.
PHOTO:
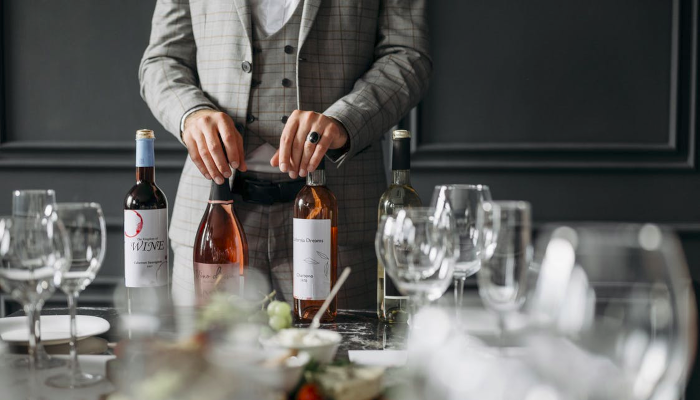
(401, 134)
(145, 134)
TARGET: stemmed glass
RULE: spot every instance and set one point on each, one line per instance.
(38, 205)
(463, 201)
(34, 253)
(505, 239)
(617, 305)
(85, 226)
(417, 247)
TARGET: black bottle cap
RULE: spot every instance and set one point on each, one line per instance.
(221, 192)
(401, 151)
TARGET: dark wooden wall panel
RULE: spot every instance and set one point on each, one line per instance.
(71, 106)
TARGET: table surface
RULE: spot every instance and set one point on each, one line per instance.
(361, 329)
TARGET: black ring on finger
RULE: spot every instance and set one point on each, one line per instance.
(313, 137)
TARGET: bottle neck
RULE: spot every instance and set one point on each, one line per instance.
(401, 177)
(316, 178)
(145, 160)
(146, 174)
(220, 194)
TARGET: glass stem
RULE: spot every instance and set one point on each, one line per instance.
(459, 291)
(501, 332)
(75, 367)
(31, 313)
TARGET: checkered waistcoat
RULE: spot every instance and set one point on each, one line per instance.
(273, 94)
(362, 62)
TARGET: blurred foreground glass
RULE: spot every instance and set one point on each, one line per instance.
(505, 240)
(463, 201)
(417, 247)
(34, 253)
(617, 304)
(36, 204)
(85, 227)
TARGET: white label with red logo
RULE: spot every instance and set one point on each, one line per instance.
(312, 258)
(146, 248)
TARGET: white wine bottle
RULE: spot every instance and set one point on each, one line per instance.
(391, 305)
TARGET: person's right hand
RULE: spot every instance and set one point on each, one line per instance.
(201, 136)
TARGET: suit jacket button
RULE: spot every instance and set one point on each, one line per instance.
(246, 67)
(284, 119)
(250, 118)
(286, 82)
(288, 49)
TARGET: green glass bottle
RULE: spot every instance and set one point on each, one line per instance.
(391, 305)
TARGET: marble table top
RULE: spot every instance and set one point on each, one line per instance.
(361, 329)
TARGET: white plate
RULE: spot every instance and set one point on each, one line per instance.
(55, 329)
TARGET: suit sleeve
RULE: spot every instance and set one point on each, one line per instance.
(394, 83)
(168, 74)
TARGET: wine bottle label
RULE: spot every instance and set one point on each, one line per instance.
(210, 278)
(146, 248)
(312, 258)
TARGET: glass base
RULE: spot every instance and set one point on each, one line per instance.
(42, 363)
(70, 381)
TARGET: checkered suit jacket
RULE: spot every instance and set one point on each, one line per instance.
(363, 62)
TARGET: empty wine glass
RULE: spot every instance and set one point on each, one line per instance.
(463, 201)
(34, 253)
(618, 305)
(36, 204)
(85, 227)
(505, 228)
(418, 247)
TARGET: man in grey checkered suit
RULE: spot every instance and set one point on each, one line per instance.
(262, 75)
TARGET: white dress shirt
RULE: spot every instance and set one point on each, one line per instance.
(270, 16)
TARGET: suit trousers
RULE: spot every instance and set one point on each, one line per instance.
(268, 229)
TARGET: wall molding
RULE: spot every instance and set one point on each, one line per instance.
(677, 154)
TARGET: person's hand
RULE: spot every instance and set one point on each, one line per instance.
(296, 155)
(201, 136)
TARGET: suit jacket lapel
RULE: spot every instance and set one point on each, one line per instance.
(307, 19)
(244, 14)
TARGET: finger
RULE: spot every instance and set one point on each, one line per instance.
(308, 151)
(228, 137)
(241, 153)
(216, 150)
(196, 158)
(319, 152)
(298, 150)
(213, 170)
(275, 160)
(286, 140)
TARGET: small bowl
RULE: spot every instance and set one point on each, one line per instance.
(321, 344)
(270, 368)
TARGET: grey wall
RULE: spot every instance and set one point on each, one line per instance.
(71, 107)
(587, 109)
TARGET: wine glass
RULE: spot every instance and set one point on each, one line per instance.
(617, 304)
(505, 228)
(417, 247)
(36, 204)
(85, 227)
(463, 201)
(34, 253)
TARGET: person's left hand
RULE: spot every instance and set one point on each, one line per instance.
(298, 156)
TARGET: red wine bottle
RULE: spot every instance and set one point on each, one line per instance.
(315, 247)
(220, 248)
(146, 270)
